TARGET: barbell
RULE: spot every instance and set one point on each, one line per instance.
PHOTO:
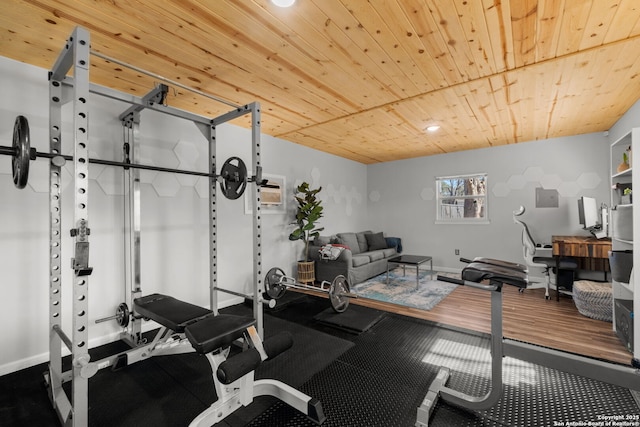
(277, 283)
(233, 175)
(122, 315)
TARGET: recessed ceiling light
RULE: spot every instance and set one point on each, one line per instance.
(433, 128)
(283, 3)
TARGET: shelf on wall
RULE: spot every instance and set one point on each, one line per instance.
(629, 242)
(624, 173)
(624, 285)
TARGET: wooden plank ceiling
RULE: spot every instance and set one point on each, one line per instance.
(363, 79)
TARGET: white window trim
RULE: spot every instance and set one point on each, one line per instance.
(480, 221)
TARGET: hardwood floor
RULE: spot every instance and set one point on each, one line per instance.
(527, 317)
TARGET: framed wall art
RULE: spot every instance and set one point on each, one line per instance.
(273, 196)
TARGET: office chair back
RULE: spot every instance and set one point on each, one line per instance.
(529, 249)
(528, 244)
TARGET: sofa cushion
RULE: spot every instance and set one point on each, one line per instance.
(350, 240)
(376, 241)
(375, 255)
(390, 252)
(358, 260)
(362, 240)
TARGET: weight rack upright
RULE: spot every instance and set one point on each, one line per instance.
(75, 55)
(72, 410)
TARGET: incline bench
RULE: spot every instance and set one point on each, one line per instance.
(212, 336)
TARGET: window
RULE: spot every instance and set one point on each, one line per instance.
(462, 199)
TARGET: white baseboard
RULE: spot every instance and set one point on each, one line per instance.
(447, 269)
(44, 357)
(28, 362)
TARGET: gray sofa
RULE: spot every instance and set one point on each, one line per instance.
(365, 255)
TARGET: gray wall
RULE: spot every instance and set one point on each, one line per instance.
(396, 197)
(402, 196)
(175, 222)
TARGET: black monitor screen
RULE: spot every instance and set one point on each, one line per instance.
(588, 212)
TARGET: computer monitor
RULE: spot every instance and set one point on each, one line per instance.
(590, 216)
(588, 212)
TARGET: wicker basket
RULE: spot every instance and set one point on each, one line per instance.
(594, 299)
(306, 272)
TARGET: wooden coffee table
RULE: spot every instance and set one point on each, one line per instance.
(413, 261)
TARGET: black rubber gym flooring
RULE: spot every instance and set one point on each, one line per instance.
(375, 378)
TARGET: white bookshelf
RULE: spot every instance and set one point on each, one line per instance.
(623, 290)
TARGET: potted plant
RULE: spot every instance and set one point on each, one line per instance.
(309, 211)
(625, 163)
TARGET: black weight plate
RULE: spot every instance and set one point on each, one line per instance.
(275, 289)
(234, 178)
(122, 315)
(339, 287)
(22, 148)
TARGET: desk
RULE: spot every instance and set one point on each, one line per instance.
(589, 252)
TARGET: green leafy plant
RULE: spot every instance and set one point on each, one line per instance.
(308, 213)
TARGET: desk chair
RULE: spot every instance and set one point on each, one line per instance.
(546, 263)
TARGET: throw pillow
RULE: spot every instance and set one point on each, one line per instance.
(331, 252)
(361, 237)
(376, 241)
(350, 240)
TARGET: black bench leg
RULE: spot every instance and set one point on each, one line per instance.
(309, 406)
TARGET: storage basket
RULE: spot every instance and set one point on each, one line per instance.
(621, 263)
(594, 299)
(306, 272)
(623, 222)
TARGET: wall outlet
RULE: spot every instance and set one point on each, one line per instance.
(457, 251)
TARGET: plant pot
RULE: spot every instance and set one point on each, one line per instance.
(306, 272)
(622, 167)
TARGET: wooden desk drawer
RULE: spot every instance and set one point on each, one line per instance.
(596, 250)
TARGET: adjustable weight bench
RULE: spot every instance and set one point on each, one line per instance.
(212, 335)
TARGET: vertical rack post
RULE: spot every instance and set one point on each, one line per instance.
(210, 132)
(75, 55)
(80, 262)
(133, 288)
(258, 286)
(54, 376)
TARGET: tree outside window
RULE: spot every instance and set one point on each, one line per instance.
(462, 198)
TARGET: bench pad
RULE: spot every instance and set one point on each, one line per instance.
(215, 332)
(501, 263)
(169, 312)
(478, 271)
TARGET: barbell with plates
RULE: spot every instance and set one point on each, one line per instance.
(121, 317)
(277, 283)
(233, 175)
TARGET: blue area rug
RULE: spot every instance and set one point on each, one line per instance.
(402, 290)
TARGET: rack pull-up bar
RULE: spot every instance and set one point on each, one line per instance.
(159, 77)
